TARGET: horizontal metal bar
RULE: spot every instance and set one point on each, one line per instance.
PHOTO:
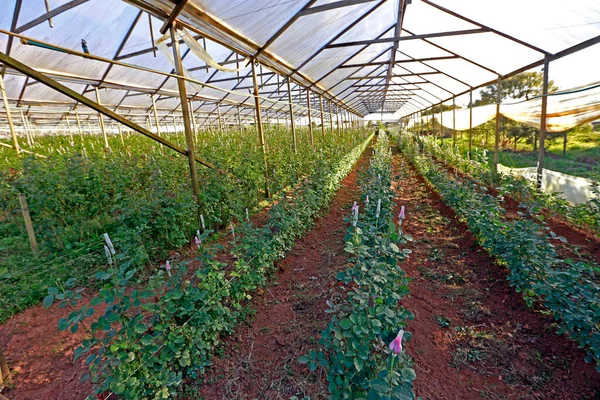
(332, 6)
(413, 37)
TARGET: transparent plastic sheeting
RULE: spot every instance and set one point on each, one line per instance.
(573, 188)
(564, 111)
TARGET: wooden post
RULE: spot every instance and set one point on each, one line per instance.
(189, 138)
(261, 137)
(322, 117)
(441, 122)
(4, 371)
(292, 124)
(155, 114)
(69, 129)
(101, 119)
(330, 119)
(239, 120)
(310, 128)
(28, 224)
(220, 120)
(78, 122)
(13, 132)
(471, 124)
(497, 137)
(540, 166)
(453, 123)
(194, 123)
(337, 118)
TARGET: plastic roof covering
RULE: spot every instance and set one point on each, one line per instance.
(316, 42)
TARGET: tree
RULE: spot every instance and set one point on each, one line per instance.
(525, 85)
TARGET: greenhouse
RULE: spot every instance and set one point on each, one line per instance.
(299, 199)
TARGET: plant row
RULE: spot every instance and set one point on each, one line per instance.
(361, 347)
(584, 215)
(140, 195)
(145, 342)
(565, 288)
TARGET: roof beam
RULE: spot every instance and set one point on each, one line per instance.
(284, 28)
(413, 37)
(24, 69)
(514, 39)
(393, 76)
(332, 6)
(370, 64)
(179, 4)
(45, 17)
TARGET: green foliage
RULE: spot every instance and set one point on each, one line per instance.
(148, 341)
(521, 86)
(139, 193)
(367, 314)
(567, 289)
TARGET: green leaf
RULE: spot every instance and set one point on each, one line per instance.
(140, 328)
(48, 300)
(346, 324)
(358, 364)
(303, 359)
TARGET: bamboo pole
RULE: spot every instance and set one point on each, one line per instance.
(189, 139)
(259, 128)
(78, 122)
(27, 135)
(292, 124)
(4, 371)
(69, 129)
(220, 120)
(337, 118)
(101, 120)
(155, 115)
(497, 137)
(310, 128)
(330, 119)
(453, 122)
(471, 124)
(540, 166)
(28, 224)
(13, 132)
(322, 117)
(239, 120)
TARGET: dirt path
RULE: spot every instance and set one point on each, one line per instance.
(474, 338)
(260, 360)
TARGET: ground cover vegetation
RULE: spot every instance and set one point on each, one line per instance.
(565, 289)
(137, 192)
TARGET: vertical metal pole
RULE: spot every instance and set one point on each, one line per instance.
(13, 132)
(292, 124)
(471, 124)
(189, 139)
(322, 117)
(453, 123)
(261, 137)
(540, 166)
(497, 137)
(101, 120)
(220, 120)
(310, 128)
